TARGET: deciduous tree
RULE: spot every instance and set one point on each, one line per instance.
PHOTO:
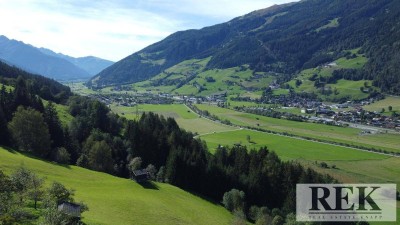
(30, 131)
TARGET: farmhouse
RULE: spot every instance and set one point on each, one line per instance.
(140, 175)
(71, 209)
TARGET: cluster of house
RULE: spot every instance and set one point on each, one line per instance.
(132, 100)
(356, 115)
(293, 101)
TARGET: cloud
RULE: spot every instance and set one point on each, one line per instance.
(112, 29)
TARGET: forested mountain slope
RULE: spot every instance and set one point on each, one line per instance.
(285, 39)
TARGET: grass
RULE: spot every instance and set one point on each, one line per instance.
(185, 118)
(345, 88)
(8, 88)
(388, 142)
(80, 88)
(393, 101)
(179, 79)
(170, 110)
(332, 23)
(286, 147)
(63, 114)
(114, 200)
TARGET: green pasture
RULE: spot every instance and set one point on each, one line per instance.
(113, 200)
(393, 101)
(185, 118)
(286, 147)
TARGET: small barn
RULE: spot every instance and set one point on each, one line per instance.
(70, 209)
(140, 175)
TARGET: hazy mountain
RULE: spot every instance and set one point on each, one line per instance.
(285, 39)
(47, 63)
(92, 65)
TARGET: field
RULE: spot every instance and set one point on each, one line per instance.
(185, 118)
(385, 141)
(393, 101)
(113, 200)
(287, 148)
(80, 88)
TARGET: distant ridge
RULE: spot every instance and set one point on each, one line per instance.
(48, 64)
(91, 64)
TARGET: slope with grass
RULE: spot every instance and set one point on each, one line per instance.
(113, 200)
(283, 38)
(344, 88)
(393, 101)
(191, 77)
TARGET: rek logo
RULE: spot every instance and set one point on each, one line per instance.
(346, 202)
(342, 198)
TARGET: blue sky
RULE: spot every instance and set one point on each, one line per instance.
(113, 29)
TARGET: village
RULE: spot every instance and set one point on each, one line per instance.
(304, 108)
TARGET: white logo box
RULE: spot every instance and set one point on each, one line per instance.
(341, 202)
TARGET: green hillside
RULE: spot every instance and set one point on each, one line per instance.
(114, 200)
(191, 77)
(330, 89)
(281, 39)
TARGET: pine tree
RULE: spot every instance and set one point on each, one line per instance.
(53, 122)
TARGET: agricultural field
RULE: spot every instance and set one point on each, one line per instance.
(348, 135)
(113, 200)
(79, 88)
(185, 118)
(287, 148)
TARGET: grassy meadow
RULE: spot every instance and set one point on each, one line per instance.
(113, 200)
(344, 88)
(185, 118)
(393, 101)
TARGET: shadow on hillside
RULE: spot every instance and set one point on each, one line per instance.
(149, 185)
(9, 149)
(30, 155)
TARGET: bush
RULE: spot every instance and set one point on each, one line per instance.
(234, 200)
(62, 156)
(323, 165)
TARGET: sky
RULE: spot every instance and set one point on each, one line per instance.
(113, 29)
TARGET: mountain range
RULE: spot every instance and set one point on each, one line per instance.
(282, 39)
(48, 63)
